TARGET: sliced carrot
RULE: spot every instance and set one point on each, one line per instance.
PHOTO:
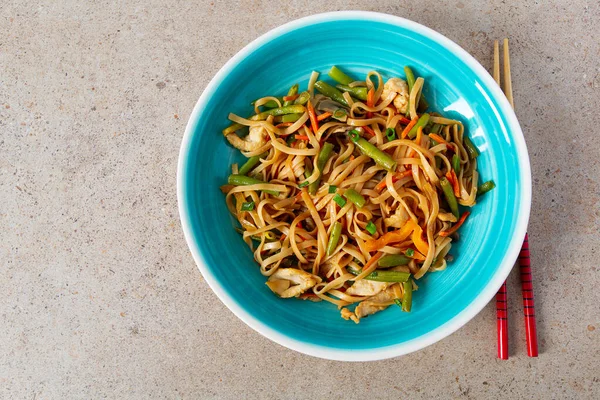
(455, 226)
(283, 125)
(370, 101)
(313, 117)
(395, 179)
(409, 127)
(455, 184)
(301, 137)
(290, 98)
(440, 139)
(323, 116)
(404, 121)
(392, 237)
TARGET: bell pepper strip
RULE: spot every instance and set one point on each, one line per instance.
(392, 237)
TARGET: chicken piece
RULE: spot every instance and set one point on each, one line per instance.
(398, 219)
(298, 282)
(365, 287)
(376, 303)
(400, 88)
(256, 138)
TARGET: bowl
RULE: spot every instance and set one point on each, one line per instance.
(456, 85)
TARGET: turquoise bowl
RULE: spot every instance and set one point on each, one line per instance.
(456, 86)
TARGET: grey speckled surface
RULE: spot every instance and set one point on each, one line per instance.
(100, 297)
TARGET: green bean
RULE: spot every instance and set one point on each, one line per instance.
(293, 90)
(372, 151)
(382, 276)
(485, 187)
(393, 260)
(436, 128)
(334, 237)
(243, 180)
(295, 109)
(456, 163)
(331, 92)
(471, 149)
(288, 118)
(407, 296)
(360, 92)
(251, 163)
(355, 197)
(302, 98)
(337, 75)
(322, 158)
(450, 197)
(421, 122)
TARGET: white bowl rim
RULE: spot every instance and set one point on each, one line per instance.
(445, 329)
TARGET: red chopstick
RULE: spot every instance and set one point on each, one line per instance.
(528, 303)
(502, 322)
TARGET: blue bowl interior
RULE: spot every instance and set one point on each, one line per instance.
(358, 46)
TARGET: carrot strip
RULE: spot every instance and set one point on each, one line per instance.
(301, 137)
(455, 227)
(395, 179)
(440, 139)
(283, 125)
(313, 117)
(368, 130)
(372, 261)
(323, 116)
(290, 98)
(370, 101)
(404, 121)
(409, 127)
(455, 184)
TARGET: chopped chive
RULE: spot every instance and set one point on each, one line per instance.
(340, 114)
(332, 188)
(390, 133)
(339, 200)
(371, 228)
(409, 252)
(249, 206)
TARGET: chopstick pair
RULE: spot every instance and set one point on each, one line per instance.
(524, 262)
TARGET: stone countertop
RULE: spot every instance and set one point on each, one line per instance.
(101, 297)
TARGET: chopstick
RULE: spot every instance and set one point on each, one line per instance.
(524, 261)
(501, 296)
